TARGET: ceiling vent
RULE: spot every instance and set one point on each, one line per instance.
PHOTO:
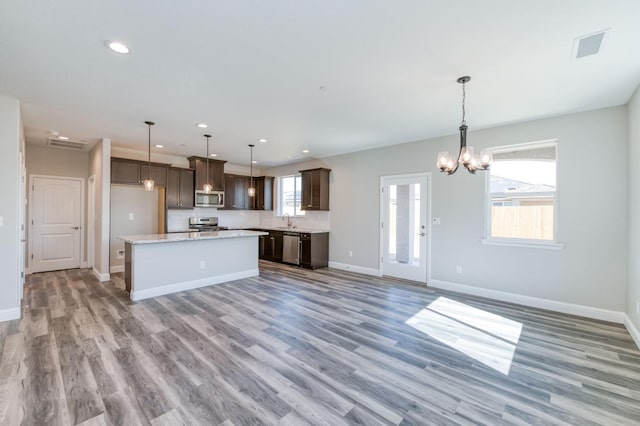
(588, 45)
(67, 144)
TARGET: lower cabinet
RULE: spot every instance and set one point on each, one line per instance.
(314, 248)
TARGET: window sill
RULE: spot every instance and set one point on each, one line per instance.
(546, 245)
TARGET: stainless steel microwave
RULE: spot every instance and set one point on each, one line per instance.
(212, 199)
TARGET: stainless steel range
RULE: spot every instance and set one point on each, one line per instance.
(205, 224)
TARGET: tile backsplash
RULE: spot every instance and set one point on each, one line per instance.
(178, 220)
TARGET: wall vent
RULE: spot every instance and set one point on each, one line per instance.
(67, 144)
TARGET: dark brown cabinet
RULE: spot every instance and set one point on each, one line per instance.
(180, 191)
(216, 172)
(263, 200)
(236, 192)
(132, 172)
(273, 246)
(315, 189)
(314, 250)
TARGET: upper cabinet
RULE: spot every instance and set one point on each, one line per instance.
(236, 195)
(180, 192)
(133, 172)
(315, 189)
(263, 199)
(216, 172)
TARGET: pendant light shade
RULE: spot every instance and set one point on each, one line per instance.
(148, 183)
(252, 189)
(207, 187)
(466, 156)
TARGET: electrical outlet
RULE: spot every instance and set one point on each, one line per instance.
(132, 216)
(350, 253)
(436, 221)
(202, 264)
(120, 254)
(458, 269)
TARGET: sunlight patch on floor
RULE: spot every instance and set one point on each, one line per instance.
(485, 337)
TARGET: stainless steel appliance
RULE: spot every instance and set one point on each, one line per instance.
(212, 199)
(205, 224)
(291, 248)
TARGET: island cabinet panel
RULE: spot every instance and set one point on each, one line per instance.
(236, 192)
(133, 172)
(315, 189)
(216, 172)
(263, 200)
(180, 191)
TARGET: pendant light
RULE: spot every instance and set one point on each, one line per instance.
(148, 182)
(207, 188)
(466, 155)
(252, 190)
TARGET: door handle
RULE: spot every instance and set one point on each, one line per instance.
(75, 227)
(422, 234)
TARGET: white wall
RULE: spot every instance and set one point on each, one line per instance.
(126, 201)
(100, 167)
(590, 271)
(10, 125)
(633, 212)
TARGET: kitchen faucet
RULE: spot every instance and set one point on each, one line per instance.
(289, 223)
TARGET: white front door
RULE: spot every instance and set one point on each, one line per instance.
(56, 216)
(404, 226)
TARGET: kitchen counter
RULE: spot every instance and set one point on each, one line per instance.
(189, 236)
(284, 229)
(159, 264)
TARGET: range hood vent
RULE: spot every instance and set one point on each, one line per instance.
(67, 144)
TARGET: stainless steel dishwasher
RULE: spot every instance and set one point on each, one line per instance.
(291, 248)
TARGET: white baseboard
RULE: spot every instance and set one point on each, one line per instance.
(10, 314)
(188, 285)
(552, 305)
(84, 265)
(117, 268)
(100, 276)
(354, 268)
(633, 331)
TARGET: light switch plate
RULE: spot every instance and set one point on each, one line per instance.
(436, 221)
(132, 216)
(1, 220)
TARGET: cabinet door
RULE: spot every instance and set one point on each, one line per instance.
(305, 252)
(276, 246)
(263, 199)
(157, 173)
(173, 188)
(241, 196)
(216, 174)
(187, 196)
(306, 199)
(262, 243)
(200, 173)
(125, 172)
(229, 191)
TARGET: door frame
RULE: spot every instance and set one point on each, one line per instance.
(91, 221)
(426, 175)
(32, 177)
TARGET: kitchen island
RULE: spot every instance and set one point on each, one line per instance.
(159, 264)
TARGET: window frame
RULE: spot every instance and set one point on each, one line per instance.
(280, 196)
(488, 239)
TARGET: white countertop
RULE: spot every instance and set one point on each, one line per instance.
(188, 236)
(285, 229)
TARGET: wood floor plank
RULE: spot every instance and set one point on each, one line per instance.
(299, 347)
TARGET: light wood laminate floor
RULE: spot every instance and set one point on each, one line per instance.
(299, 347)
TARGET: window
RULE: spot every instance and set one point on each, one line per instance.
(289, 188)
(521, 200)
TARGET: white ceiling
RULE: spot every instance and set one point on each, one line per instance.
(253, 69)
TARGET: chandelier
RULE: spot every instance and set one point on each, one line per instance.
(466, 155)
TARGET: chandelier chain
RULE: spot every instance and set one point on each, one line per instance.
(464, 97)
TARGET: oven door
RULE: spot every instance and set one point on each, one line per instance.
(212, 199)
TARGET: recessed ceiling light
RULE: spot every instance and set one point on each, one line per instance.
(202, 125)
(305, 151)
(118, 47)
(262, 140)
(213, 155)
(64, 138)
(159, 146)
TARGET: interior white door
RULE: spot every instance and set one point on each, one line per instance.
(56, 211)
(404, 227)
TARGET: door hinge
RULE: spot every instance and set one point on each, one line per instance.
(381, 224)
(32, 222)
(382, 189)
(381, 259)
(31, 255)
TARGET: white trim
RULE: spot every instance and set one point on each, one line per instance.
(188, 285)
(84, 265)
(100, 276)
(354, 268)
(10, 314)
(91, 221)
(535, 302)
(117, 268)
(523, 243)
(633, 331)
